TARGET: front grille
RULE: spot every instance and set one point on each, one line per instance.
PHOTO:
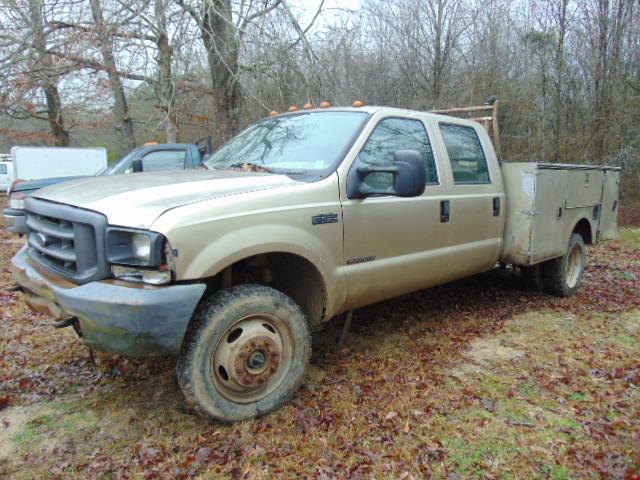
(67, 240)
(53, 240)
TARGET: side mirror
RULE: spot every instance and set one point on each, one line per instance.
(409, 176)
(137, 165)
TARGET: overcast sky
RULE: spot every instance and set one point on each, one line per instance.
(331, 8)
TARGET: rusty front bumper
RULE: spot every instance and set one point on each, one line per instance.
(115, 317)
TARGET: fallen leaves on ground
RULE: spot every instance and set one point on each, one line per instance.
(415, 393)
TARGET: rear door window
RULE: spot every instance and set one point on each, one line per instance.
(3, 168)
(468, 163)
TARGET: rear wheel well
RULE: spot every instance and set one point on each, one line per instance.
(583, 227)
(291, 274)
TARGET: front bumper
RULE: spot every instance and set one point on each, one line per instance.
(114, 317)
(14, 220)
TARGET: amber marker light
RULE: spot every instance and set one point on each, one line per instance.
(273, 113)
(293, 108)
(358, 104)
(308, 106)
(325, 104)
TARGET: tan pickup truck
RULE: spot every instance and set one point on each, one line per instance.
(300, 218)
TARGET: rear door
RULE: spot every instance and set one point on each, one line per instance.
(474, 203)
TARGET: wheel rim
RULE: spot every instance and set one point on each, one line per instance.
(574, 266)
(252, 358)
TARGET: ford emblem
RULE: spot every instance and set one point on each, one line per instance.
(42, 238)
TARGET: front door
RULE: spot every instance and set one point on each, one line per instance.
(391, 244)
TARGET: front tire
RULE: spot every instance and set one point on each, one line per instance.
(563, 276)
(245, 353)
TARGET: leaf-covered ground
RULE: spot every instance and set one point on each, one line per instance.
(478, 379)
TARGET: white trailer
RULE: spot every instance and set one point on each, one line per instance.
(31, 163)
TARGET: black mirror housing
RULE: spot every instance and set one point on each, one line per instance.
(409, 176)
(137, 165)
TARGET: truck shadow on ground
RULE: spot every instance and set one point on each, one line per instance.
(442, 307)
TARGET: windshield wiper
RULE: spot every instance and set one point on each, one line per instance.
(256, 167)
(252, 167)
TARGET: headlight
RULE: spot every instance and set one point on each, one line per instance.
(135, 247)
(16, 200)
(141, 246)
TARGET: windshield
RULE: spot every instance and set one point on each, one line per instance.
(306, 143)
(120, 166)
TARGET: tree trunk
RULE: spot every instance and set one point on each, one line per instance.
(600, 82)
(612, 20)
(49, 80)
(438, 64)
(561, 19)
(165, 88)
(54, 113)
(124, 123)
(219, 39)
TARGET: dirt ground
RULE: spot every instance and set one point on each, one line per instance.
(481, 378)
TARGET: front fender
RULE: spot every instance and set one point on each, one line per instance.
(242, 243)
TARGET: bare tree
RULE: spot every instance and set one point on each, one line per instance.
(221, 39)
(104, 39)
(567, 72)
(560, 14)
(30, 85)
(48, 79)
(165, 85)
(605, 24)
(424, 35)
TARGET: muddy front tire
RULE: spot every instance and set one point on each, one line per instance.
(563, 276)
(245, 353)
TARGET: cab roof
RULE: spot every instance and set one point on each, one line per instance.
(372, 109)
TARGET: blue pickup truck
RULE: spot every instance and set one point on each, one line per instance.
(157, 157)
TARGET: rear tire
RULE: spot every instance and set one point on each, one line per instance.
(245, 353)
(563, 276)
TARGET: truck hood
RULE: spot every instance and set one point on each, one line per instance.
(43, 182)
(137, 200)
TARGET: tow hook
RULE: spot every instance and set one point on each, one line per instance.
(65, 322)
(71, 321)
(16, 287)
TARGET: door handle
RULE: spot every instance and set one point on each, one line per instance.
(496, 206)
(444, 211)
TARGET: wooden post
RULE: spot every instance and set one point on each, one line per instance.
(496, 128)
